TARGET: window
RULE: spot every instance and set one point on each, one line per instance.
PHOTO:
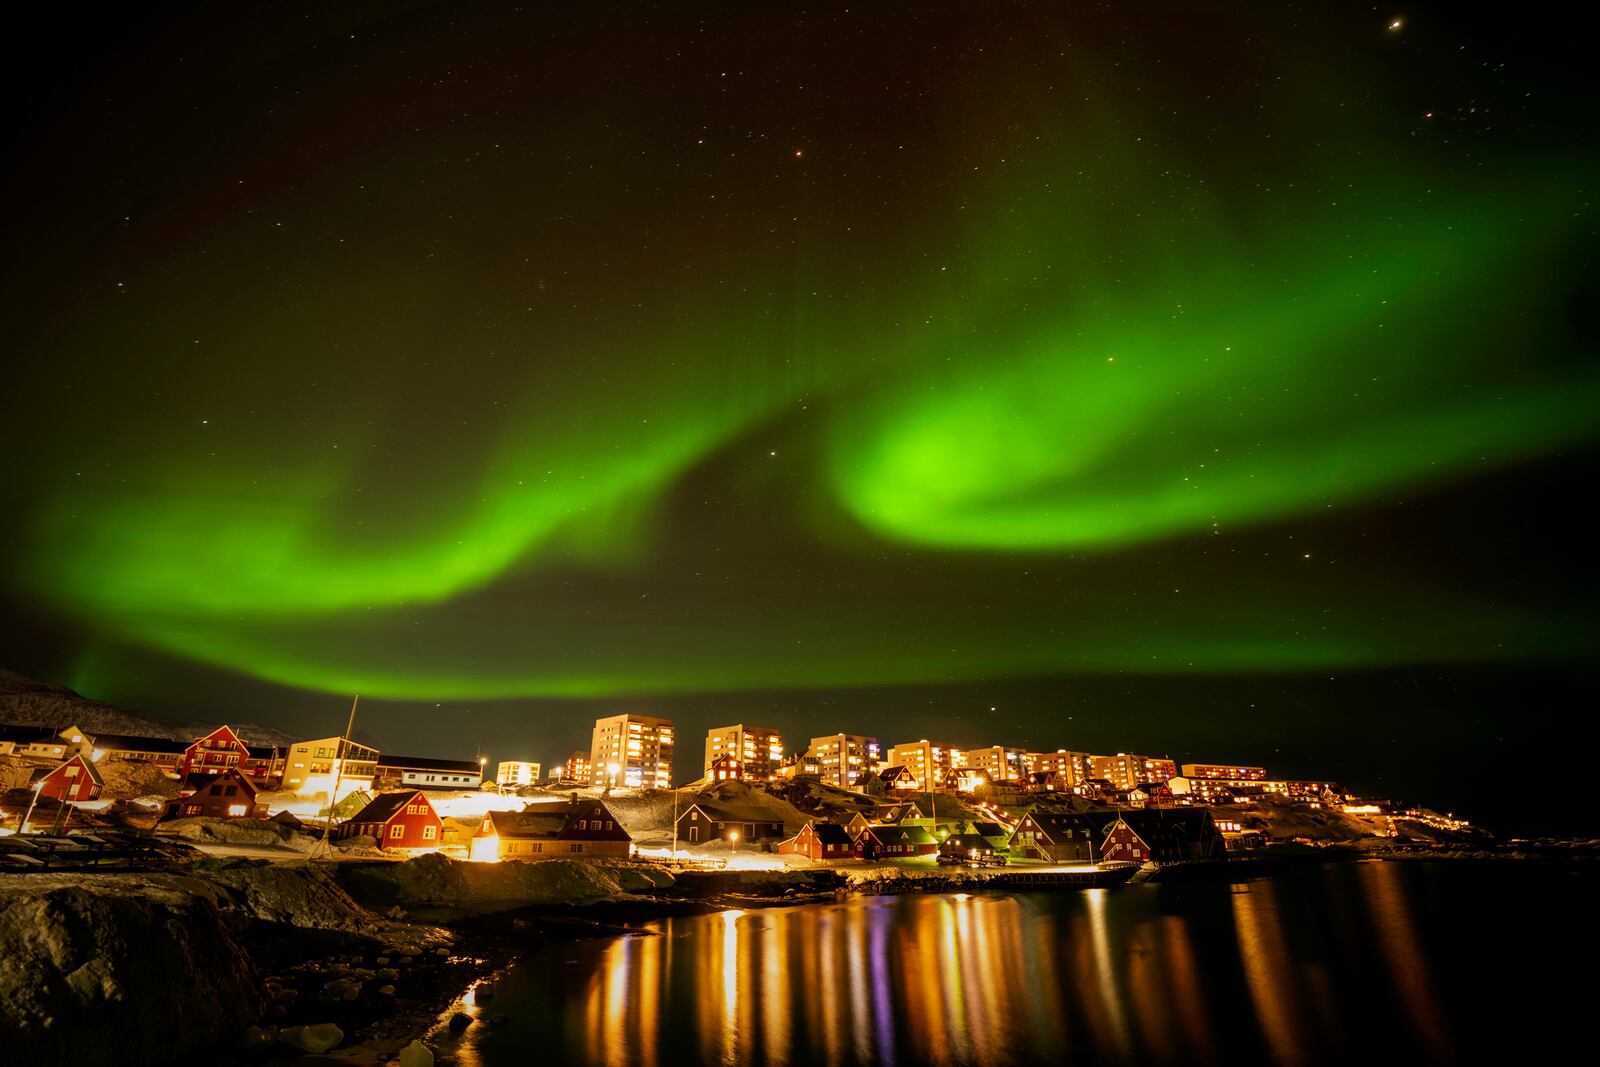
(397, 831)
(191, 809)
(430, 832)
(236, 811)
(537, 846)
(583, 824)
(575, 847)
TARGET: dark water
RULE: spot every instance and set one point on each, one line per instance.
(1364, 962)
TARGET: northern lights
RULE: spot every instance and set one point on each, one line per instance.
(516, 359)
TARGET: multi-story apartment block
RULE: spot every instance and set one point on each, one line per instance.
(514, 774)
(329, 764)
(1070, 768)
(757, 749)
(1126, 770)
(1210, 789)
(631, 750)
(844, 758)
(577, 769)
(929, 762)
(1002, 764)
(1220, 770)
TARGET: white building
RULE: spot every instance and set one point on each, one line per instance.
(514, 774)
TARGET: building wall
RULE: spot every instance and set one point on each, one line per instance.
(842, 758)
(929, 761)
(1002, 764)
(1071, 768)
(639, 746)
(219, 751)
(222, 799)
(577, 768)
(70, 781)
(436, 779)
(414, 821)
(759, 749)
(1218, 770)
(311, 766)
(1126, 770)
(514, 774)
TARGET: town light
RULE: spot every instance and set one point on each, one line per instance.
(734, 836)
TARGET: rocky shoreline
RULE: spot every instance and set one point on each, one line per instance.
(260, 964)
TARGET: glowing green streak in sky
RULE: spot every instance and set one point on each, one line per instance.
(1217, 395)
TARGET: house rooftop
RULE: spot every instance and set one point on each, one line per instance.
(428, 763)
(386, 806)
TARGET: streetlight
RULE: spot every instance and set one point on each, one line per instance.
(735, 838)
(22, 828)
(611, 779)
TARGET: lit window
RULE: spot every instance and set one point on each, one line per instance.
(397, 831)
(429, 832)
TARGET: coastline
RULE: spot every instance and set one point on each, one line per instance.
(391, 952)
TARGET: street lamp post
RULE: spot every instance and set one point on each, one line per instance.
(735, 837)
(23, 828)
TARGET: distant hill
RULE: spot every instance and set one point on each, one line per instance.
(27, 701)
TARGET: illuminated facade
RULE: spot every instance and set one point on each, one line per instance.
(576, 769)
(1002, 764)
(843, 758)
(1212, 789)
(1126, 770)
(757, 749)
(1070, 768)
(1218, 770)
(928, 762)
(514, 774)
(633, 751)
(329, 763)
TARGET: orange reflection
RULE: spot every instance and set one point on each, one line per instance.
(1267, 970)
(1391, 912)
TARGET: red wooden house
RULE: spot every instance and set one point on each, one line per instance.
(819, 841)
(894, 842)
(402, 820)
(550, 831)
(229, 795)
(1122, 845)
(215, 753)
(72, 779)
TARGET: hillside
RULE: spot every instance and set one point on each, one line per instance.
(26, 701)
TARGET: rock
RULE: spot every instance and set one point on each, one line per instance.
(342, 989)
(319, 1037)
(499, 1020)
(382, 961)
(256, 1037)
(460, 1021)
(395, 912)
(386, 974)
(386, 990)
(403, 950)
(416, 1054)
(441, 952)
(484, 991)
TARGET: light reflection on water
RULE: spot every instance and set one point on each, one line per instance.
(1293, 970)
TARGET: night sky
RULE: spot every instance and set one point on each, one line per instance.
(1219, 383)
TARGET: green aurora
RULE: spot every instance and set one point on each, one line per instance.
(848, 446)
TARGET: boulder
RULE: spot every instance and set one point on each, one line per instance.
(318, 1037)
(416, 1054)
